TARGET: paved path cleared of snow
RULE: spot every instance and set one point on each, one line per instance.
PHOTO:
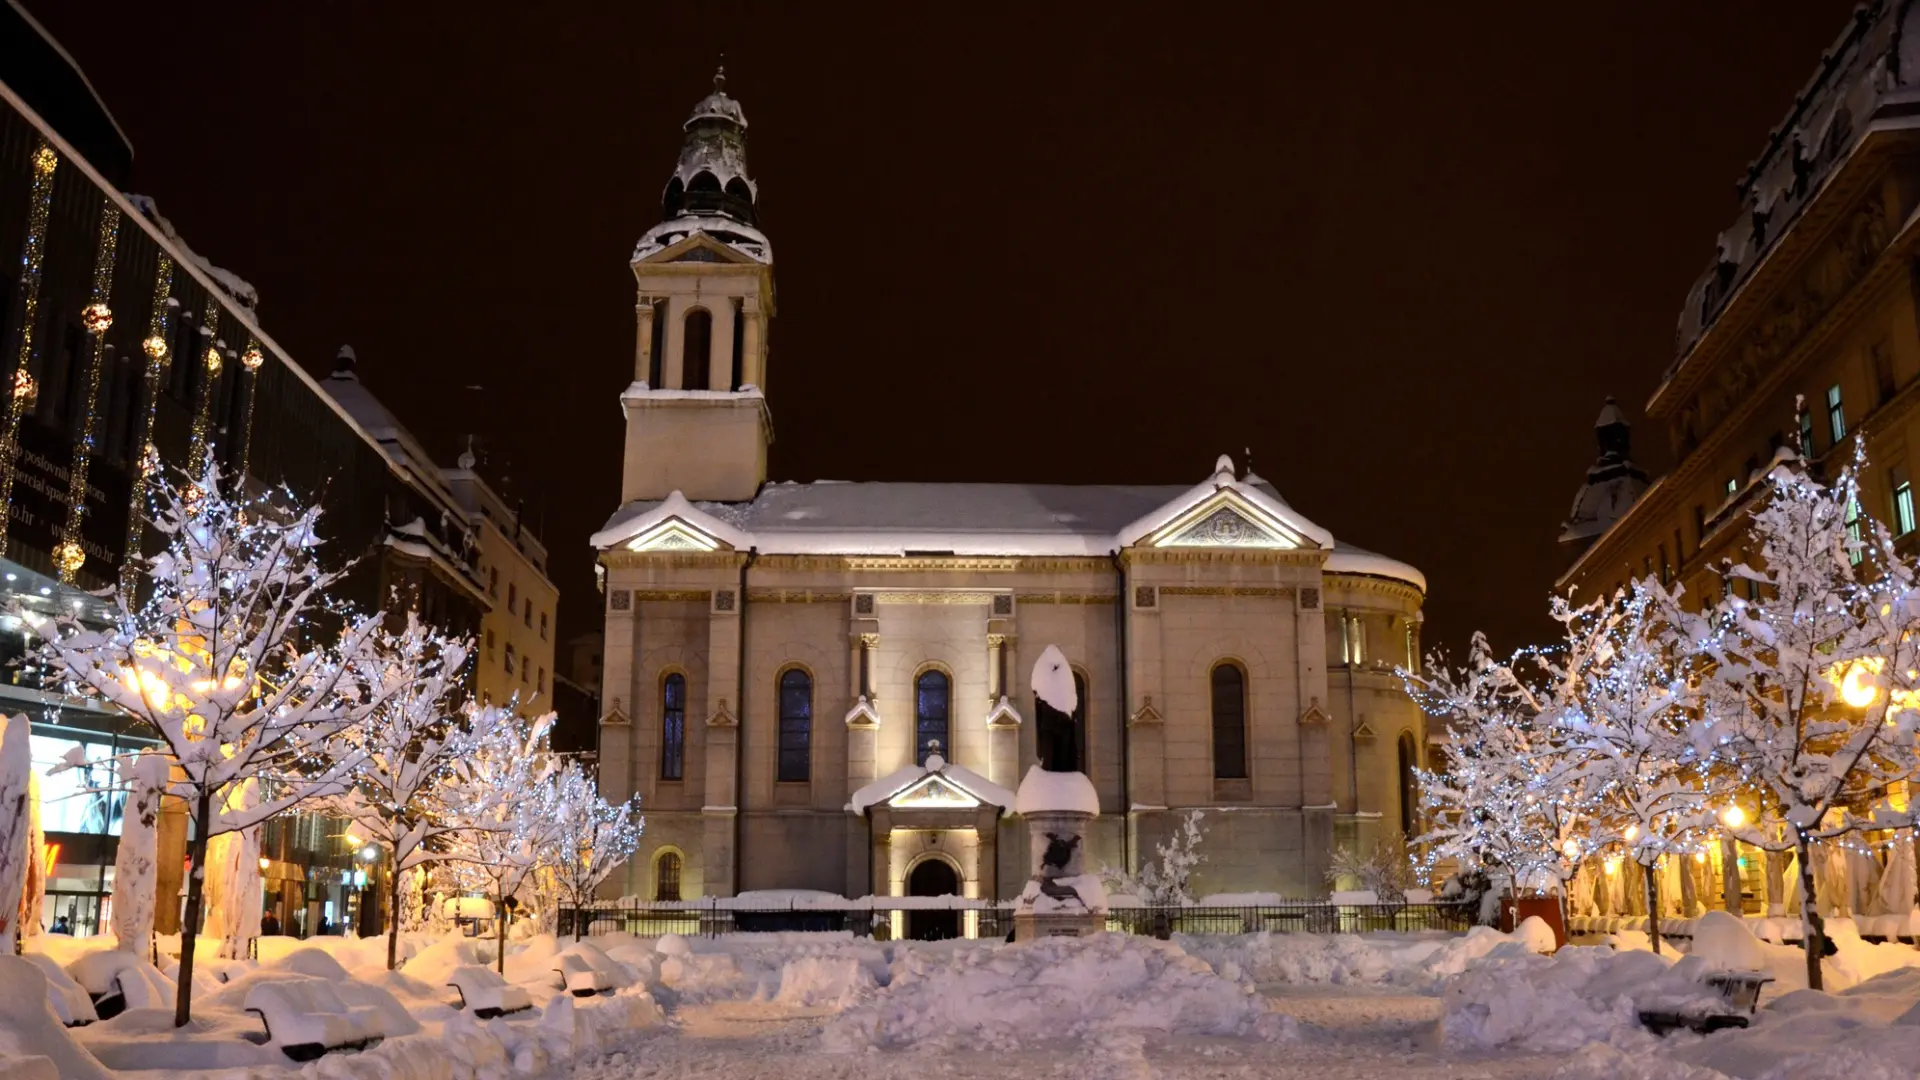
(1364, 1034)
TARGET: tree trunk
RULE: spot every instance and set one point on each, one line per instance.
(189, 929)
(500, 924)
(579, 924)
(1813, 929)
(393, 920)
(1730, 877)
(1652, 876)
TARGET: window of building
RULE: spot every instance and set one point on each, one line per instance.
(931, 693)
(673, 726)
(1666, 567)
(1353, 639)
(526, 669)
(493, 582)
(1733, 484)
(1855, 552)
(1806, 433)
(657, 354)
(1409, 785)
(1836, 414)
(1903, 521)
(1229, 722)
(1699, 527)
(527, 613)
(666, 876)
(489, 643)
(540, 680)
(513, 597)
(796, 726)
(1883, 374)
(510, 664)
(696, 349)
(543, 626)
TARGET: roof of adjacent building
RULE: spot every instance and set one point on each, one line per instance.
(913, 518)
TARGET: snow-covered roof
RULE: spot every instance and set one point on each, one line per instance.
(831, 517)
(739, 236)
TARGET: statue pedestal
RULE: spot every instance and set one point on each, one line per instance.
(1061, 899)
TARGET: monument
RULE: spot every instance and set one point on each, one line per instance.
(1058, 801)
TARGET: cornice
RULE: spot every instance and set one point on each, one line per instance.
(1369, 583)
(1175, 556)
(622, 559)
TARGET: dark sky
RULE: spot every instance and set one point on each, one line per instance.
(1403, 251)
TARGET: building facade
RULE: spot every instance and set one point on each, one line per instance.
(126, 354)
(825, 686)
(517, 655)
(1800, 336)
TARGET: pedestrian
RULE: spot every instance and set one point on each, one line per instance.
(62, 926)
(270, 925)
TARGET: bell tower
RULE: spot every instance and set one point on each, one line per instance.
(697, 419)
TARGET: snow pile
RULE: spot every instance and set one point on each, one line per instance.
(1053, 681)
(1083, 989)
(1044, 791)
(29, 1029)
(1724, 942)
(1419, 961)
(824, 980)
(1563, 1002)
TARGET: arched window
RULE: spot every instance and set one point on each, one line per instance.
(657, 347)
(930, 693)
(1409, 785)
(673, 726)
(666, 876)
(1229, 722)
(695, 349)
(796, 726)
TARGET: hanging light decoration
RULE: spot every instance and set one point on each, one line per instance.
(155, 347)
(70, 554)
(98, 317)
(32, 257)
(253, 357)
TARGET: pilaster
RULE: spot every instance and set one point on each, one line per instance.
(643, 347)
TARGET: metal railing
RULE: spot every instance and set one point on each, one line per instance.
(976, 919)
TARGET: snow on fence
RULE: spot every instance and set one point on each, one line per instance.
(939, 917)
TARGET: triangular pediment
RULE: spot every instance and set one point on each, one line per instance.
(675, 534)
(697, 247)
(1226, 519)
(933, 792)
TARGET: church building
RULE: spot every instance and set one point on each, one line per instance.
(825, 685)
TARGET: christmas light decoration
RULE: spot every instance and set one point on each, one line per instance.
(32, 255)
(156, 349)
(203, 401)
(70, 554)
(250, 360)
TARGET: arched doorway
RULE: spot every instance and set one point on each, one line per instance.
(933, 877)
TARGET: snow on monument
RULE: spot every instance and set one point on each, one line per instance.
(135, 862)
(1061, 899)
(17, 815)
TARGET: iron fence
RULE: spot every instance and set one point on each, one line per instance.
(878, 919)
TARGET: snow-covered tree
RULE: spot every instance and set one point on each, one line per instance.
(1809, 691)
(1493, 808)
(136, 860)
(17, 813)
(1385, 870)
(595, 838)
(1621, 698)
(404, 783)
(1167, 881)
(222, 666)
(506, 803)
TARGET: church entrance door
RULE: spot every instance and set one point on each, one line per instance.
(933, 877)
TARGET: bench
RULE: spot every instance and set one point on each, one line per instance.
(487, 993)
(1740, 988)
(306, 1018)
(579, 977)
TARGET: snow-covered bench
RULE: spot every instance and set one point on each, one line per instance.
(486, 993)
(580, 978)
(306, 1018)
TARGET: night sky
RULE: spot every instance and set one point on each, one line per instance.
(1402, 251)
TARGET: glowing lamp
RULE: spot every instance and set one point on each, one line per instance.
(1613, 866)
(1571, 849)
(1632, 831)
(213, 361)
(1700, 856)
(97, 318)
(252, 359)
(371, 853)
(1734, 817)
(1857, 687)
(264, 863)
(155, 346)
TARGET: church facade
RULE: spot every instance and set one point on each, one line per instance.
(825, 686)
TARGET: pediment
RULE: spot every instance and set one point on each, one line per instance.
(696, 247)
(1226, 520)
(675, 534)
(933, 792)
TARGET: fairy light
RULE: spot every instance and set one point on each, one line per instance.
(203, 402)
(71, 554)
(250, 362)
(32, 255)
(155, 347)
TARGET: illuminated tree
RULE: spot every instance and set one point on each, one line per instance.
(505, 801)
(222, 667)
(594, 838)
(1810, 687)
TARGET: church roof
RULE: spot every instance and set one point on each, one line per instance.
(911, 518)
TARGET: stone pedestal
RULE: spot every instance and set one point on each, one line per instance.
(1061, 899)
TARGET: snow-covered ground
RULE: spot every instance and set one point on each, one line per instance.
(804, 1006)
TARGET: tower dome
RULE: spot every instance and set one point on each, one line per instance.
(711, 178)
